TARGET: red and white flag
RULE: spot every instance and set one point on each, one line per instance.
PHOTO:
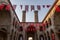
(58, 9)
(26, 7)
(32, 7)
(14, 7)
(7, 7)
(21, 6)
(48, 6)
(38, 7)
(2, 6)
(43, 6)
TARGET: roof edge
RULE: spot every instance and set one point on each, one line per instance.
(13, 10)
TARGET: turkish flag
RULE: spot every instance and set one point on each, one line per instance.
(38, 7)
(57, 9)
(14, 7)
(7, 7)
(48, 6)
(21, 6)
(43, 6)
(2, 6)
(26, 7)
(32, 7)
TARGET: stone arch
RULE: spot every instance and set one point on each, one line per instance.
(48, 36)
(41, 28)
(41, 37)
(3, 34)
(31, 32)
(20, 37)
(4, 29)
(47, 24)
(50, 22)
(21, 28)
(11, 36)
(3, 2)
(52, 35)
(45, 34)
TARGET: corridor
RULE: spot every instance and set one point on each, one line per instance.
(30, 27)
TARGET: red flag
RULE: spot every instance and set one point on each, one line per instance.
(43, 6)
(7, 7)
(2, 6)
(48, 6)
(32, 7)
(58, 9)
(14, 7)
(38, 7)
(26, 7)
(21, 6)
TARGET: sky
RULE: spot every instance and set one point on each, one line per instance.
(30, 14)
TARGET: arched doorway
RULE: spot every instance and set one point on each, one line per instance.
(20, 37)
(3, 34)
(31, 33)
(41, 37)
(52, 35)
(45, 36)
(48, 36)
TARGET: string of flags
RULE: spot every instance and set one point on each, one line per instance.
(32, 7)
(26, 7)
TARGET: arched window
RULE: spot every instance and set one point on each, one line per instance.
(11, 36)
(3, 34)
(48, 36)
(13, 21)
(49, 21)
(41, 28)
(21, 28)
(46, 24)
(52, 35)
(45, 36)
(15, 36)
(16, 24)
(58, 34)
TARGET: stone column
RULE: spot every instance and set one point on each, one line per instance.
(24, 16)
(36, 16)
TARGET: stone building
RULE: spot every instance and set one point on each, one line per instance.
(52, 22)
(31, 30)
(12, 29)
(9, 22)
(50, 26)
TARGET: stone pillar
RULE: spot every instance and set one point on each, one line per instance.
(36, 16)
(24, 16)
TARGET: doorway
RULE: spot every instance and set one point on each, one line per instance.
(41, 37)
(31, 33)
(31, 36)
(3, 35)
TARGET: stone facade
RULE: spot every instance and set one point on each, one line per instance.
(12, 29)
(54, 27)
(26, 32)
(9, 23)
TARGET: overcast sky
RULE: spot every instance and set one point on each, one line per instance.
(30, 14)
